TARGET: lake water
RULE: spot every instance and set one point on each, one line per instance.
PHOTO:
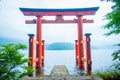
(101, 59)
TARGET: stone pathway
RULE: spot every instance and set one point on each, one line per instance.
(60, 72)
(69, 77)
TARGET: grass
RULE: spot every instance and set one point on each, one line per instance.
(109, 74)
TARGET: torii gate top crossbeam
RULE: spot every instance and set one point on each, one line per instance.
(55, 12)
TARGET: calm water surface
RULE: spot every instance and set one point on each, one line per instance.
(101, 59)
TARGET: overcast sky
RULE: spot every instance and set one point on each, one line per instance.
(12, 21)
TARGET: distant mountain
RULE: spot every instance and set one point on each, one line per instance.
(52, 46)
(60, 46)
(4, 40)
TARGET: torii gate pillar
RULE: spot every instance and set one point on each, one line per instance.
(43, 47)
(76, 50)
(80, 43)
(31, 51)
(88, 54)
(39, 45)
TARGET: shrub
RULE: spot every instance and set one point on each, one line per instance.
(13, 63)
(109, 74)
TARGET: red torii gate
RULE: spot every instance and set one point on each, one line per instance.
(59, 13)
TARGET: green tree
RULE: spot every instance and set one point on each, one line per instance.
(113, 25)
(12, 62)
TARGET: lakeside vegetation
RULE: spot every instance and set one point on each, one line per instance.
(112, 73)
(109, 74)
(13, 63)
(113, 27)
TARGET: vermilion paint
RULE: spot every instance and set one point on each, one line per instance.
(43, 53)
(80, 43)
(31, 51)
(88, 54)
(39, 45)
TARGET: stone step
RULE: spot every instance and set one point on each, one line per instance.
(69, 77)
(59, 70)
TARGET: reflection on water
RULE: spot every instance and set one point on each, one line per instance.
(101, 59)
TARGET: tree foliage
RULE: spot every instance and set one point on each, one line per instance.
(116, 57)
(12, 62)
(113, 26)
(113, 18)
